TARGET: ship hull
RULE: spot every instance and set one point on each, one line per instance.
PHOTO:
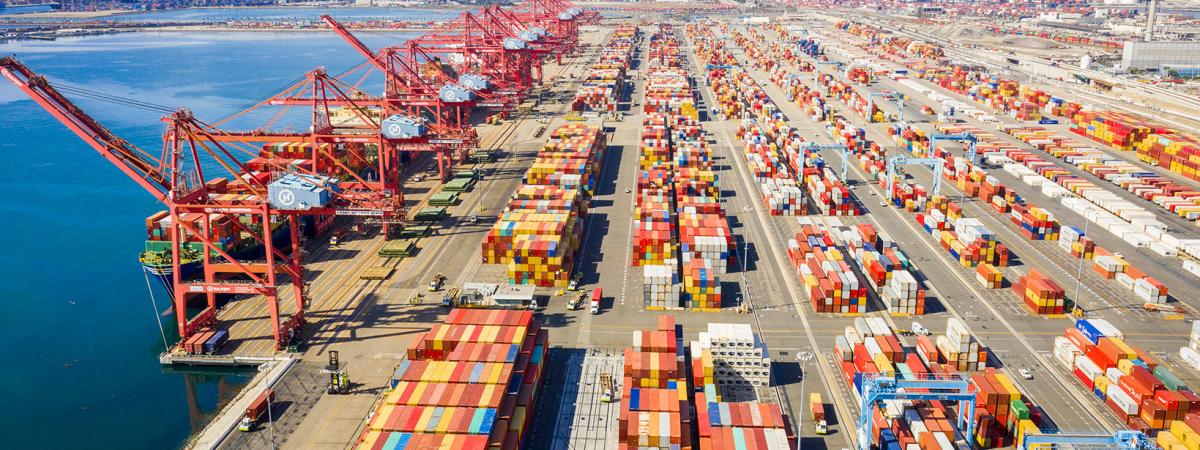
(165, 275)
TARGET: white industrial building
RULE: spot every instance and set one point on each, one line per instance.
(1160, 54)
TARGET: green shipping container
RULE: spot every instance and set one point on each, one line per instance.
(459, 185)
(431, 214)
(415, 231)
(466, 173)
(1019, 409)
(444, 199)
(397, 248)
(1169, 379)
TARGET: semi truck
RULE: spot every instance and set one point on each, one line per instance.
(818, 413)
(256, 409)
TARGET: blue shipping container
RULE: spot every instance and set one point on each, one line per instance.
(1088, 330)
(216, 341)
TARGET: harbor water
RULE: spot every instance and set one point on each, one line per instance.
(78, 336)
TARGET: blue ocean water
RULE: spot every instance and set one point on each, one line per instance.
(78, 340)
(257, 13)
(212, 14)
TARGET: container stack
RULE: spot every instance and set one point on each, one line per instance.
(886, 267)
(830, 283)
(677, 169)
(966, 239)
(782, 196)
(537, 235)
(959, 349)
(749, 425)
(989, 276)
(1002, 405)
(1119, 130)
(1035, 223)
(903, 296)
(1108, 266)
(1041, 294)
(1136, 387)
(660, 286)
(729, 363)
(1072, 240)
(605, 82)
(469, 383)
(739, 357)
(654, 240)
(654, 410)
(870, 347)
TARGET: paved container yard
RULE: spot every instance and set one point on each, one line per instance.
(370, 322)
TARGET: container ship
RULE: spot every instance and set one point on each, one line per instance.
(156, 256)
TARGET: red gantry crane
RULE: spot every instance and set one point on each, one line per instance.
(409, 90)
(560, 19)
(260, 183)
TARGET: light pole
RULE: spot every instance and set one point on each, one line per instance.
(1079, 268)
(271, 421)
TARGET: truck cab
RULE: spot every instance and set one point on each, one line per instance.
(577, 301)
(919, 330)
(596, 301)
(822, 428)
(573, 285)
(256, 409)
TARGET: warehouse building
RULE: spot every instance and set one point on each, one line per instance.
(1182, 56)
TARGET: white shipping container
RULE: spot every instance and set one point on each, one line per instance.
(1114, 374)
(957, 332)
(852, 336)
(1089, 368)
(864, 329)
(1163, 249)
(1121, 399)
(1190, 356)
(1106, 328)
(943, 441)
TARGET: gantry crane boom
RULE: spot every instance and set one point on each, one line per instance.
(147, 171)
(178, 180)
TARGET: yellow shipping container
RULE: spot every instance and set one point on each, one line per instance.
(518, 419)
(443, 425)
(380, 419)
(1169, 441)
(1101, 383)
(1125, 366)
(1008, 386)
(1026, 427)
(418, 392)
(369, 440)
(423, 421)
